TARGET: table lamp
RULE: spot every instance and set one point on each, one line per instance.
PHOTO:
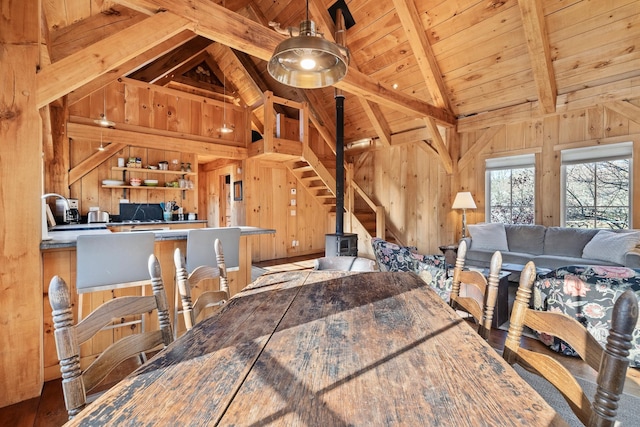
(464, 201)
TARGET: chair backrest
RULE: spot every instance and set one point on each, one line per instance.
(69, 337)
(610, 362)
(185, 282)
(201, 251)
(345, 263)
(480, 296)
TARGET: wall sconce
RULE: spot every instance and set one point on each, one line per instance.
(464, 201)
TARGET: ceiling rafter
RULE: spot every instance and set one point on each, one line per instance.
(421, 48)
(252, 90)
(233, 30)
(535, 33)
(172, 61)
(129, 66)
(78, 69)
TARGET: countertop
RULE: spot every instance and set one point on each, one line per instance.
(66, 236)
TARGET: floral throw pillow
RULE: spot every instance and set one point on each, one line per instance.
(587, 293)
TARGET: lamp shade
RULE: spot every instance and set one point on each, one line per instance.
(308, 61)
(464, 200)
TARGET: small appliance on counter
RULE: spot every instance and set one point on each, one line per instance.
(96, 215)
(67, 214)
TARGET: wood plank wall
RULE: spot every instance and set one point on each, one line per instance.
(417, 194)
(414, 189)
(545, 137)
(267, 189)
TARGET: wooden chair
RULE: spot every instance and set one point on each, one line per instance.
(185, 282)
(77, 382)
(610, 362)
(480, 296)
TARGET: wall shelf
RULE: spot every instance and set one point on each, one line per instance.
(160, 186)
(158, 171)
(147, 187)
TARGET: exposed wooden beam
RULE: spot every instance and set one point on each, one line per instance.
(69, 39)
(129, 66)
(77, 69)
(93, 161)
(626, 109)
(172, 61)
(439, 145)
(421, 48)
(535, 33)
(478, 146)
(137, 136)
(580, 99)
(240, 33)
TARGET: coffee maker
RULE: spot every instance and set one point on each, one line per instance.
(67, 215)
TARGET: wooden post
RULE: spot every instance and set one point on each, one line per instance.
(20, 204)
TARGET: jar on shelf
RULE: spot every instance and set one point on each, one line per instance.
(188, 167)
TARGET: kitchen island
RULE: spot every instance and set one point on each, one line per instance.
(59, 258)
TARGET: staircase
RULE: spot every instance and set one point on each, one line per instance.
(309, 178)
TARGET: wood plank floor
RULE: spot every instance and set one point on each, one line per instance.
(48, 410)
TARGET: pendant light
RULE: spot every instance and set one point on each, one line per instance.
(101, 148)
(224, 128)
(307, 60)
(103, 121)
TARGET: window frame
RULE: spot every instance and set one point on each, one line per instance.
(520, 161)
(598, 154)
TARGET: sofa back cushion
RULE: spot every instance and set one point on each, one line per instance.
(567, 241)
(528, 239)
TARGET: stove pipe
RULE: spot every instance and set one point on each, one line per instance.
(339, 97)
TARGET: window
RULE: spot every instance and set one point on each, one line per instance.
(596, 186)
(511, 189)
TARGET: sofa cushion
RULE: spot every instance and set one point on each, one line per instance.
(610, 246)
(489, 236)
(567, 241)
(525, 238)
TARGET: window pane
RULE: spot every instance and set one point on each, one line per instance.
(597, 194)
(512, 195)
(580, 185)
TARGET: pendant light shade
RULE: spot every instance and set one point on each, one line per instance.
(308, 61)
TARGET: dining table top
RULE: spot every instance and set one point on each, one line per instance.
(320, 348)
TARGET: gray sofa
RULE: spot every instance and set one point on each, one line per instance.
(552, 247)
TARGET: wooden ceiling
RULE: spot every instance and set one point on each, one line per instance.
(414, 63)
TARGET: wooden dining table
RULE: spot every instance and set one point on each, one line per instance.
(319, 348)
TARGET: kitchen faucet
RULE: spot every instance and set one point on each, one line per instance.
(44, 197)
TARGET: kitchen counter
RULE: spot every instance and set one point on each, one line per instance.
(66, 236)
(59, 257)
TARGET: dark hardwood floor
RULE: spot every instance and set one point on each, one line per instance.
(48, 409)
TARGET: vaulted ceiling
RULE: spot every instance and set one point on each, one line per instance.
(414, 63)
